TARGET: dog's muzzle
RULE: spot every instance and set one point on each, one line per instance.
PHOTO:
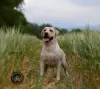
(47, 38)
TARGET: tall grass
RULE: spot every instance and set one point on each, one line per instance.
(20, 52)
(84, 44)
(86, 47)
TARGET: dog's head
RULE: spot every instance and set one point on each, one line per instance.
(49, 33)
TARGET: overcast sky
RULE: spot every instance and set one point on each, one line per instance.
(63, 13)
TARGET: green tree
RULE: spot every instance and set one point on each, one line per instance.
(45, 25)
(63, 31)
(76, 30)
(9, 15)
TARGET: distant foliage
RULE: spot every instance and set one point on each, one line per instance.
(9, 15)
(76, 30)
(35, 29)
(63, 31)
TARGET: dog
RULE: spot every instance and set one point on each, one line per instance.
(51, 54)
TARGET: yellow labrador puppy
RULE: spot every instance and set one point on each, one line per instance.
(51, 54)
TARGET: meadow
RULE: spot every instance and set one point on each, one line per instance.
(21, 52)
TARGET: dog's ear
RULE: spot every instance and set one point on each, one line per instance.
(41, 32)
(57, 32)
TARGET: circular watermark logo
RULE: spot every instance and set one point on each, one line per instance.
(17, 78)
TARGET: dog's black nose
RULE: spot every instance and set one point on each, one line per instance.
(46, 34)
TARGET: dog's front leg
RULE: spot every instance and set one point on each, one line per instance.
(41, 68)
(58, 70)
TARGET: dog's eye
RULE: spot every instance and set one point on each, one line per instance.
(51, 30)
(44, 30)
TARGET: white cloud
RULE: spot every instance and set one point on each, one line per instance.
(61, 11)
(86, 2)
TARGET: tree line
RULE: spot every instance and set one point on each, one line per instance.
(11, 15)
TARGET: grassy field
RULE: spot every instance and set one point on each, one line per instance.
(21, 53)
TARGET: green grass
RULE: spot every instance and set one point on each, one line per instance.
(20, 52)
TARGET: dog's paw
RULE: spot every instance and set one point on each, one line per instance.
(41, 74)
(58, 78)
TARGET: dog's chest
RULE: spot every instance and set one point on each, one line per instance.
(51, 57)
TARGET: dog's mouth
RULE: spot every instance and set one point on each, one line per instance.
(47, 38)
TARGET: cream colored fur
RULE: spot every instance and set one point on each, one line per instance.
(51, 54)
